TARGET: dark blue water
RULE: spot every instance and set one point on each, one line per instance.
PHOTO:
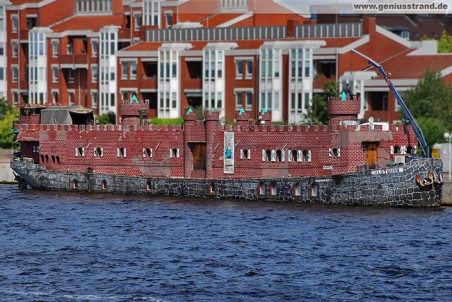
(67, 247)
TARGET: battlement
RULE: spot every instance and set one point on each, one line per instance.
(340, 110)
(133, 109)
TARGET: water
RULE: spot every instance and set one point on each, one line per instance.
(68, 247)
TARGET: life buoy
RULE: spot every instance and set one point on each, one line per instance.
(424, 182)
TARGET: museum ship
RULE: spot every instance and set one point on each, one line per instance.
(343, 163)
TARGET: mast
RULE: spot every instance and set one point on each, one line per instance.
(417, 130)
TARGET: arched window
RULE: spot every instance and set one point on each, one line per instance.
(273, 155)
(307, 155)
(279, 155)
(273, 189)
(299, 155)
(261, 188)
(269, 155)
(297, 189)
(314, 190)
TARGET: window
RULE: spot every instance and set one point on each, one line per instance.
(137, 22)
(98, 152)
(128, 70)
(245, 154)
(95, 73)
(249, 69)
(2, 49)
(14, 23)
(151, 12)
(80, 151)
(71, 98)
(307, 155)
(239, 69)
(2, 74)
(95, 47)
(273, 189)
(15, 98)
(55, 74)
(15, 71)
(147, 152)
(70, 76)
(249, 100)
(55, 48)
(405, 35)
(121, 152)
(239, 100)
(297, 189)
(69, 48)
(94, 98)
(169, 18)
(124, 70)
(14, 49)
(314, 190)
(55, 97)
(174, 152)
(261, 188)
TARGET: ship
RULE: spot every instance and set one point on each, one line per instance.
(347, 162)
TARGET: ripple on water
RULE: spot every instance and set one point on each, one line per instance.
(93, 247)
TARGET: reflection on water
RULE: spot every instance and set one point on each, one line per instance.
(68, 247)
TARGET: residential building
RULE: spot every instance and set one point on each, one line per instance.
(221, 55)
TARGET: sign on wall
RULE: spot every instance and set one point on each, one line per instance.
(229, 152)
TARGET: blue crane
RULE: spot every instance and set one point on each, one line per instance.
(417, 130)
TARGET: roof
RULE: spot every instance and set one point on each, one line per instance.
(404, 66)
(93, 23)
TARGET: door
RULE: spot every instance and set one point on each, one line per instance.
(372, 152)
(199, 156)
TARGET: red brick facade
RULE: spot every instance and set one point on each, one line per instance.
(197, 149)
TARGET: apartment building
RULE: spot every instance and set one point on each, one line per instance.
(221, 55)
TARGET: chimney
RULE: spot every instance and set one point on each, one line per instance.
(369, 25)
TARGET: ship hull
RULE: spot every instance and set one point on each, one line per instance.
(396, 186)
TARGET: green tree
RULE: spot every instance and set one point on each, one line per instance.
(106, 119)
(8, 115)
(445, 43)
(430, 102)
(318, 113)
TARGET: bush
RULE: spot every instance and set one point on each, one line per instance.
(167, 121)
(106, 119)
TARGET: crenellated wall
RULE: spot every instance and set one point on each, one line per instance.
(197, 148)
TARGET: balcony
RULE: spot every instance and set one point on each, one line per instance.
(148, 83)
(192, 84)
(74, 61)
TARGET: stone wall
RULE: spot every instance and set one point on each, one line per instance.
(383, 187)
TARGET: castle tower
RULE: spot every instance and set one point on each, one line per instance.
(133, 112)
(343, 110)
(211, 121)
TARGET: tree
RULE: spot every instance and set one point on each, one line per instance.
(318, 113)
(430, 102)
(106, 119)
(8, 115)
(445, 43)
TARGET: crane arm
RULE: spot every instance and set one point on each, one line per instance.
(417, 130)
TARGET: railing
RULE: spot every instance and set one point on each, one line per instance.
(341, 30)
(74, 59)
